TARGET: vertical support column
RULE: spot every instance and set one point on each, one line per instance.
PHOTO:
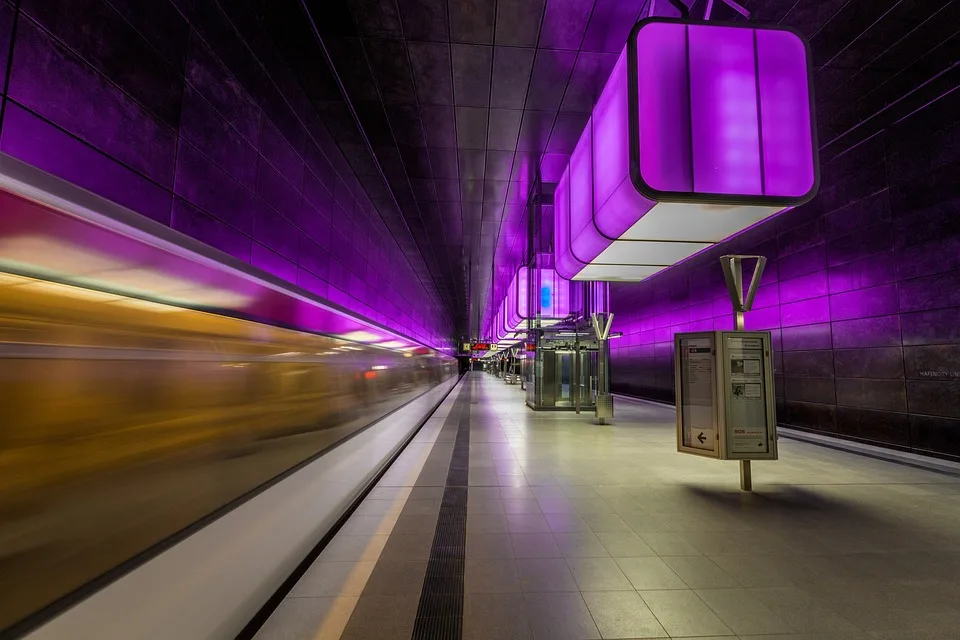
(601, 326)
(733, 274)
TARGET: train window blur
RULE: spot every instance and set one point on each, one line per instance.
(125, 421)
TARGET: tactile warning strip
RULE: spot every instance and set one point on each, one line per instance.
(440, 611)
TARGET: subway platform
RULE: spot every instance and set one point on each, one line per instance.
(499, 522)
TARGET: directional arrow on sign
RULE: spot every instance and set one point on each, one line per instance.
(701, 438)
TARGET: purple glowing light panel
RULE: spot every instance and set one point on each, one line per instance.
(700, 132)
(553, 299)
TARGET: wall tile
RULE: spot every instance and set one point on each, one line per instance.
(806, 312)
(930, 292)
(935, 434)
(37, 142)
(808, 364)
(860, 244)
(858, 215)
(812, 285)
(882, 362)
(273, 263)
(104, 40)
(276, 232)
(820, 390)
(876, 426)
(217, 85)
(934, 397)
(50, 80)
(929, 258)
(935, 362)
(884, 395)
(6, 30)
(864, 303)
(206, 228)
(803, 262)
(278, 193)
(204, 184)
(861, 274)
(931, 327)
(808, 415)
(205, 129)
(883, 331)
(161, 24)
(804, 337)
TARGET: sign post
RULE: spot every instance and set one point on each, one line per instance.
(724, 380)
(601, 327)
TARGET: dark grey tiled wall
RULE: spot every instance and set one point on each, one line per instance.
(862, 287)
(184, 111)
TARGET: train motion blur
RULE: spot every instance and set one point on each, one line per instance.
(125, 421)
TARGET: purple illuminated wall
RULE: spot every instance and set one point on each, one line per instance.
(184, 113)
(862, 287)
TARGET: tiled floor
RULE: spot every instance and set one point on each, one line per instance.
(580, 531)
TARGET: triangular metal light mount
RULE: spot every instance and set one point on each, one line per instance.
(733, 274)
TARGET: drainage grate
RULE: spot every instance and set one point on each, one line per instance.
(440, 612)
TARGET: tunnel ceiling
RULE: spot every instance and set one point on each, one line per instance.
(461, 100)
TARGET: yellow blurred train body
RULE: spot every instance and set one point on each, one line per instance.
(95, 386)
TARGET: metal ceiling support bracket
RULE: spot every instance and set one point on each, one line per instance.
(733, 274)
(730, 3)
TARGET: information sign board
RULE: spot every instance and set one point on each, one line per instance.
(698, 392)
(725, 396)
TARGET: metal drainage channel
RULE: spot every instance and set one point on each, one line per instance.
(440, 612)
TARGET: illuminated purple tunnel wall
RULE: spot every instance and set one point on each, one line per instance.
(861, 293)
(187, 117)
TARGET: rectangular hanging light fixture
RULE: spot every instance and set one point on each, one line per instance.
(701, 131)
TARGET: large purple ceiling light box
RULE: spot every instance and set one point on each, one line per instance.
(701, 131)
(514, 310)
(554, 296)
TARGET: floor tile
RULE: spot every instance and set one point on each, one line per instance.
(535, 545)
(598, 574)
(495, 616)
(699, 572)
(625, 545)
(382, 618)
(650, 574)
(368, 525)
(527, 523)
(559, 616)
(581, 545)
(395, 577)
(545, 574)
(415, 524)
(491, 575)
(682, 613)
(743, 612)
(515, 505)
(345, 548)
(622, 614)
(402, 546)
(314, 618)
(489, 545)
(566, 523)
(333, 579)
(668, 543)
(486, 523)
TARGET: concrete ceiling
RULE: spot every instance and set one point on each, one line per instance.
(461, 102)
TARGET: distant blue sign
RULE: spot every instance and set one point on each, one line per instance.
(546, 294)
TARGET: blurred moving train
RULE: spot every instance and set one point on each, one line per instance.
(125, 421)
